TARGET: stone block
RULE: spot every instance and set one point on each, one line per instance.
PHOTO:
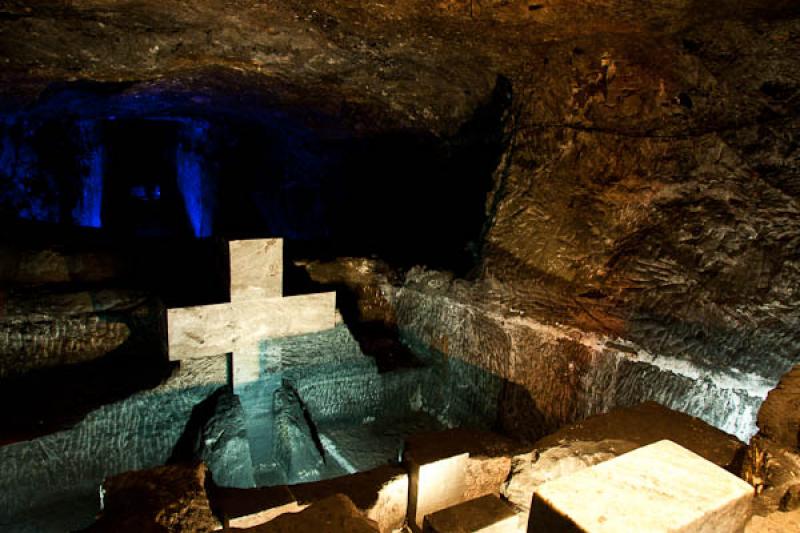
(256, 269)
(487, 514)
(660, 487)
(335, 514)
(243, 508)
(435, 483)
(381, 494)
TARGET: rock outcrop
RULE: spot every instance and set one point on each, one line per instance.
(167, 498)
(216, 436)
(772, 462)
(45, 328)
(336, 514)
(779, 416)
(139, 431)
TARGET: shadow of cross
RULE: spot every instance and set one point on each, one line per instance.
(257, 311)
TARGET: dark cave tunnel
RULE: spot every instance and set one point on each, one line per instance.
(166, 183)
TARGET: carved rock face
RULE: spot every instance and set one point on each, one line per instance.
(779, 417)
(167, 498)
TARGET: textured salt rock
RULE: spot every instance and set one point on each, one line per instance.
(138, 432)
(335, 514)
(772, 461)
(547, 376)
(165, 498)
(297, 448)
(27, 266)
(779, 417)
(43, 328)
(216, 436)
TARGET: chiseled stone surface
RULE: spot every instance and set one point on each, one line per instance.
(256, 269)
(165, 498)
(487, 514)
(381, 494)
(243, 508)
(660, 487)
(436, 483)
(138, 432)
(216, 435)
(42, 327)
(779, 417)
(335, 514)
(240, 326)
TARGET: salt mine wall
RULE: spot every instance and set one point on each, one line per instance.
(63, 471)
(550, 375)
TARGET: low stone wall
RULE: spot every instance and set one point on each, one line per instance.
(138, 432)
(41, 329)
(546, 376)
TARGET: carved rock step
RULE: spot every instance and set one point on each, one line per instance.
(487, 514)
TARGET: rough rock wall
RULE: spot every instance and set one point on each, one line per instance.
(772, 460)
(327, 381)
(297, 446)
(779, 417)
(548, 376)
(165, 498)
(649, 191)
(216, 435)
(41, 328)
(138, 432)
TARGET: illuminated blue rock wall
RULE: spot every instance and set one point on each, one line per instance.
(25, 189)
(90, 201)
(193, 180)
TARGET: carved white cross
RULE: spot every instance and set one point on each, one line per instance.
(257, 311)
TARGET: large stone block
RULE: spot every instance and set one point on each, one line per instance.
(435, 483)
(660, 487)
(380, 494)
(242, 508)
(335, 514)
(487, 514)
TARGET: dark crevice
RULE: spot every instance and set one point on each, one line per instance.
(312, 427)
